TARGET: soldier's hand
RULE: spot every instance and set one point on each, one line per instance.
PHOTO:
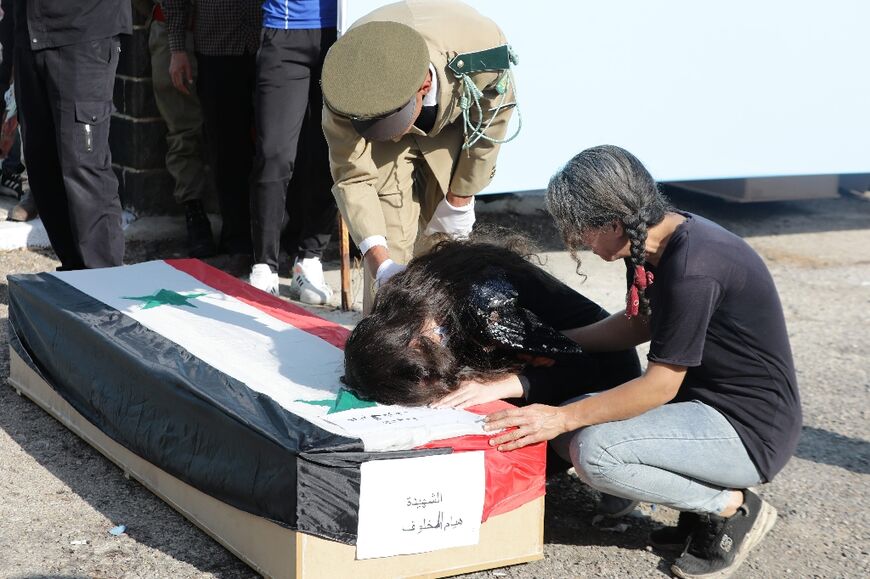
(454, 220)
(181, 72)
(388, 269)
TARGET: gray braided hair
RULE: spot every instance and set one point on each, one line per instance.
(600, 185)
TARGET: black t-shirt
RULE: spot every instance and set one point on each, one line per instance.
(715, 310)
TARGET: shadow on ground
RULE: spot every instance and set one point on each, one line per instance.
(826, 447)
(103, 486)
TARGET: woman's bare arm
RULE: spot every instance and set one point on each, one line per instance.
(613, 333)
(539, 422)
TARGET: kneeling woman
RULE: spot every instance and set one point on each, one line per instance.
(717, 410)
(474, 321)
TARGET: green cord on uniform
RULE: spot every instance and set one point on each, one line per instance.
(471, 94)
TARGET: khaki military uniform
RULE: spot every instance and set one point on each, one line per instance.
(392, 188)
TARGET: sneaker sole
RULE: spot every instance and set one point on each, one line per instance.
(766, 521)
(317, 300)
(297, 295)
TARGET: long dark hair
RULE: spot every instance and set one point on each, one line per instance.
(601, 185)
(389, 358)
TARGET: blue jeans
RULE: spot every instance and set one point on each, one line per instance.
(684, 455)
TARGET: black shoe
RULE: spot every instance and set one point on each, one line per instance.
(11, 184)
(200, 241)
(676, 538)
(717, 550)
(25, 210)
(614, 507)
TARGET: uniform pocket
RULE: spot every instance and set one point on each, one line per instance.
(93, 112)
(92, 129)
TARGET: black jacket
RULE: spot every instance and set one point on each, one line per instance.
(53, 23)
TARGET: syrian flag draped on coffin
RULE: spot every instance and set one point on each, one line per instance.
(234, 391)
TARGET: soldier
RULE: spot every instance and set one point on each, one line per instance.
(65, 60)
(418, 96)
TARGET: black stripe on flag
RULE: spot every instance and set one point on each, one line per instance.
(200, 425)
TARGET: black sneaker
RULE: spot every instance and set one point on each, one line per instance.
(676, 538)
(11, 184)
(614, 507)
(717, 550)
(200, 241)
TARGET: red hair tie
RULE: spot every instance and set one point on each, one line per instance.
(642, 280)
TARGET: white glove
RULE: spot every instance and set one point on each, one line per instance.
(454, 221)
(388, 269)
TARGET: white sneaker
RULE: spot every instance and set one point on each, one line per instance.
(308, 285)
(263, 278)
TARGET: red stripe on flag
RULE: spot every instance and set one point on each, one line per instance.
(512, 478)
(268, 304)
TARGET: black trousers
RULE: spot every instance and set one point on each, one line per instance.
(64, 100)
(290, 145)
(226, 89)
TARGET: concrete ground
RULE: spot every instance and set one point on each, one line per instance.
(60, 497)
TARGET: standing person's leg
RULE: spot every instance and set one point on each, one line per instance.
(82, 213)
(314, 202)
(184, 159)
(39, 140)
(7, 44)
(282, 85)
(11, 179)
(12, 162)
(225, 93)
(82, 76)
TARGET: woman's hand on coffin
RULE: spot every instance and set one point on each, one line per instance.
(525, 426)
(473, 392)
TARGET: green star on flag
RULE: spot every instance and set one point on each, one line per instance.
(165, 298)
(344, 401)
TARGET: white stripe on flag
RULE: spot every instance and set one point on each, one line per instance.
(266, 354)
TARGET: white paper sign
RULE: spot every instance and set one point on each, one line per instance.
(400, 427)
(415, 505)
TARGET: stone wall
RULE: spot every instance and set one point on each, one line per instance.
(138, 133)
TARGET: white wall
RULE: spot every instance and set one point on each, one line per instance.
(696, 89)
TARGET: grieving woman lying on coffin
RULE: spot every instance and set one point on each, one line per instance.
(474, 321)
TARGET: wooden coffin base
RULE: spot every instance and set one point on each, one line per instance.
(275, 551)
